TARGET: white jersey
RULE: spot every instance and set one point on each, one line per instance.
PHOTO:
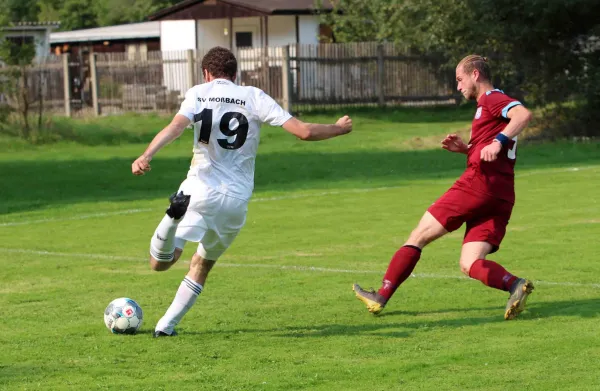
(227, 120)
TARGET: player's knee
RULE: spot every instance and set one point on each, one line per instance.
(158, 266)
(428, 230)
(465, 269)
(421, 237)
(465, 265)
(161, 266)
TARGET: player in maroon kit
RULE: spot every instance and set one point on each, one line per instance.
(483, 197)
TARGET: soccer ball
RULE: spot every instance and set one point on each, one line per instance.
(123, 316)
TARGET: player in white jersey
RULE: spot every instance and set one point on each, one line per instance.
(211, 204)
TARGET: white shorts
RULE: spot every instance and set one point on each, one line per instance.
(212, 219)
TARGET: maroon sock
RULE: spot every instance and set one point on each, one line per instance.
(491, 274)
(401, 265)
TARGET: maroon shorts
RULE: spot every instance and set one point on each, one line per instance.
(486, 216)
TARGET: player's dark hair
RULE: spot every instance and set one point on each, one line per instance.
(475, 61)
(220, 62)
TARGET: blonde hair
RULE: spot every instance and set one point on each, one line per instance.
(475, 61)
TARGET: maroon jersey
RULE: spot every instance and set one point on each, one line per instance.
(495, 178)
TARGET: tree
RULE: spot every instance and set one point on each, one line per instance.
(365, 21)
(547, 50)
(554, 48)
(18, 11)
(50, 10)
(78, 14)
(17, 53)
(111, 12)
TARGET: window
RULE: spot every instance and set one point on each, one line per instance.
(143, 49)
(18, 46)
(137, 52)
(243, 39)
(131, 52)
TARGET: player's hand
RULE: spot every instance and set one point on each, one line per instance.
(345, 123)
(489, 153)
(141, 165)
(454, 143)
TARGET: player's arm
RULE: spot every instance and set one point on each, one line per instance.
(164, 137)
(270, 112)
(317, 132)
(518, 117)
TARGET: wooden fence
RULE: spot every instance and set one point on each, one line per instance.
(298, 76)
(43, 81)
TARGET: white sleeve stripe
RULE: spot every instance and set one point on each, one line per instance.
(510, 106)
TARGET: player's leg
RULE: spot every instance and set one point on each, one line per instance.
(190, 288)
(402, 263)
(215, 234)
(445, 215)
(210, 249)
(482, 238)
(199, 269)
(474, 264)
(405, 259)
(163, 250)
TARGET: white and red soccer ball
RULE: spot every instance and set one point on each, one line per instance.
(123, 316)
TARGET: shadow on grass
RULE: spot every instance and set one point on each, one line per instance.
(583, 308)
(30, 185)
(406, 324)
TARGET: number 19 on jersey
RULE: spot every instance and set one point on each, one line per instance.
(225, 126)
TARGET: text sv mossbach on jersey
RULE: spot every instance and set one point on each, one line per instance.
(224, 100)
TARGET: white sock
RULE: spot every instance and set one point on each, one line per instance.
(162, 244)
(184, 300)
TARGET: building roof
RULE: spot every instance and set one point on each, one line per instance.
(253, 7)
(28, 26)
(280, 6)
(109, 33)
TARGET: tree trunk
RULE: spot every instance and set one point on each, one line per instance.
(40, 102)
(25, 103)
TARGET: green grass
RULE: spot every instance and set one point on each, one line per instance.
(278, 312)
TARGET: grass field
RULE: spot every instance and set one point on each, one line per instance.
(278, 312)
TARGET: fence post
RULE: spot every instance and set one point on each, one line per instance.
(286, 87)
(66, 84)
(94, 77)
(190, 68)
(380, 76)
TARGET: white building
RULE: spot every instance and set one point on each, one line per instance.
(244, 26)
(202, 24)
